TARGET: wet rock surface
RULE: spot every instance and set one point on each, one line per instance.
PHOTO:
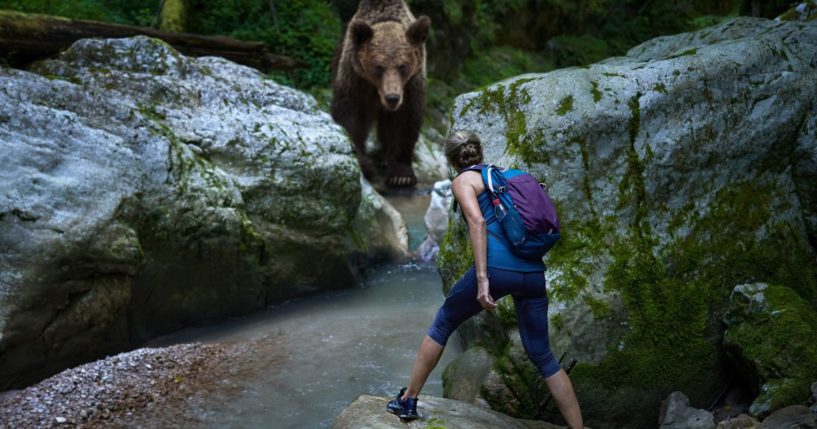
(369, 412)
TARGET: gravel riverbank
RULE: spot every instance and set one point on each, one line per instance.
(120, 390)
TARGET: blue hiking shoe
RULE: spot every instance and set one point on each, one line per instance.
(406, 410)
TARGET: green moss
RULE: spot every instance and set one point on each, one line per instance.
(686, 53)
(674, 299)
(455, 255)
(250, 238)
(435, 423)
(659, 87)
(631, 188)
(521, 378)
(772, 338)
(565, 106)
(598, 308)
(557, 322)
(506, 311)
(508, 101)
(580, 242)
(597, 94)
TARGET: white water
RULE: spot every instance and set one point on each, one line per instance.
(315, 355)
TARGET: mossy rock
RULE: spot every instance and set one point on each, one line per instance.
(770, 334)
(660, 218)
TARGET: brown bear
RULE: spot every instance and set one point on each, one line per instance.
(378, 74)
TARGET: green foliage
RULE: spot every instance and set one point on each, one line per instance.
(133, 12)
(501, 63)
(496, 64)
(579, 50)
(308, 30)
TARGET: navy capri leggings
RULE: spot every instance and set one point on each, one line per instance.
(531, 302)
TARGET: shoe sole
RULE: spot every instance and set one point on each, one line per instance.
(404, 418)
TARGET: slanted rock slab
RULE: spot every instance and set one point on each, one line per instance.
(370, 412)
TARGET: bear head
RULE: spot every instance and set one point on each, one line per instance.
(388, 54)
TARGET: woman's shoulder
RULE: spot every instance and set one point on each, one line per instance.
(469, 179)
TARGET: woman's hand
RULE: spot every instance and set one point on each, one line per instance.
(484, 294)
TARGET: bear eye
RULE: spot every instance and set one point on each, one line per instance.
(379, 70)
(403, 69)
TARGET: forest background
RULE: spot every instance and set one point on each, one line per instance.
(474, 42)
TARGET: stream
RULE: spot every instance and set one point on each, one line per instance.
(315, 355)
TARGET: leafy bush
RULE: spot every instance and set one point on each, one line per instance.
(307, 30)
(133, 12)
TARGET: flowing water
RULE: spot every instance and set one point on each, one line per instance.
(314, 356)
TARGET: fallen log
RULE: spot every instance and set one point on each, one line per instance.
(28, 37)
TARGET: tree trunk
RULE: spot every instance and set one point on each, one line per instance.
(173, 15)
(29, 37)
(274, 14)
(755, 8)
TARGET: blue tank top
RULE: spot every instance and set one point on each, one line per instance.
(499, 248)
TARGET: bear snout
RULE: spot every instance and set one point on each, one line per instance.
(392, 101)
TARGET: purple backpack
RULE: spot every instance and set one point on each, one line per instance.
(523, 209)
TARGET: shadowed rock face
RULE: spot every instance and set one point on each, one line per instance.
(769, 331)
(141, 190)
(680, 170)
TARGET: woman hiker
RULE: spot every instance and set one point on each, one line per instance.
(496, 273)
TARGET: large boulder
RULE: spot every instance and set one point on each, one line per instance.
(141, 190)
(770, 334)
(679, 170)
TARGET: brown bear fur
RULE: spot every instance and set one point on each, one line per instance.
(378, 74)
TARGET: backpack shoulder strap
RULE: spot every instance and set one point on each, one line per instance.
(475, 167)
(495, 182)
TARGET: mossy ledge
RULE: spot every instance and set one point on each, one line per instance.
(509, 101)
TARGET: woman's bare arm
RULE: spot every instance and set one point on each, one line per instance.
(466, 187)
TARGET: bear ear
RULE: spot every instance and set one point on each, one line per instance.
(417, 32)
(361, 32)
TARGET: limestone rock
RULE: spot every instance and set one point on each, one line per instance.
(141, 190)
(677, 414)
(678, 171)
(429, 162)
(385, 231)
(370, 412)
(463, 378)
